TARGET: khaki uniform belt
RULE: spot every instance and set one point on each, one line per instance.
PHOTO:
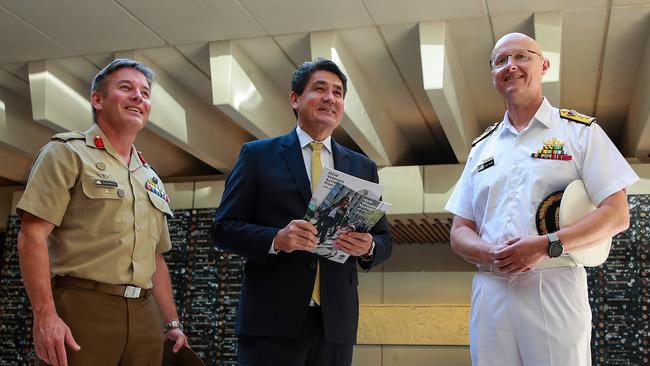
(127, 291)
(562, 261)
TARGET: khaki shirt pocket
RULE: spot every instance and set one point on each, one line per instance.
(102, 207)
(159, 208)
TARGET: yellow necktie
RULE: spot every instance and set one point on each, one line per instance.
(316, 170)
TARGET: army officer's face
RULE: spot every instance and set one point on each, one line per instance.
(123, 102)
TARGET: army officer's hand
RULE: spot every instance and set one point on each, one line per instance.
(178, 337)
(51, 335)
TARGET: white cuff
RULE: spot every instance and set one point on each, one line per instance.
(272, 248)
(371, 253)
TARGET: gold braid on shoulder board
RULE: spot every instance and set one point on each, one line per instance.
(485, 133)
(574, 116)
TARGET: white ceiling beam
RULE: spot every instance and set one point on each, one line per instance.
(636, 136)
(17, 129)
(242, 91)
(404, 189)
(445, 87)
(18, 169)
(13, 82)
(439, 184)
(548, 34)
(195, 127)
(60, 101)
(366, 120)
(419, 190)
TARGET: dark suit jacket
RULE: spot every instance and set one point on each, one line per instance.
(268, 188)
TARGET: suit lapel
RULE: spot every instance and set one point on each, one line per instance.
(292, 154)
(341, 158)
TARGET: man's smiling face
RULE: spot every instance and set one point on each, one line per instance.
(519, 79)
(320, 106)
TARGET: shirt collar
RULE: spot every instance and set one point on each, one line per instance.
(543, 115)
(95, 132)
(135, 162)
(305, 139)
(95, 137)
(544, 112)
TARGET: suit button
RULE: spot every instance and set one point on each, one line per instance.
(312, 264)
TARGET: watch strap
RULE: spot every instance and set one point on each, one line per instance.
(174, 324)
(552, 237)
(555, 247)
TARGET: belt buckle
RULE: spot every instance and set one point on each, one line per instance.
(132, 292)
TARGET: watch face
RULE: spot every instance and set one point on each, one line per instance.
(555, 249)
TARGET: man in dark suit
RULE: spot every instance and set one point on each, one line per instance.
(296, 308)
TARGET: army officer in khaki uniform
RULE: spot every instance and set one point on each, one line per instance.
(100, 209)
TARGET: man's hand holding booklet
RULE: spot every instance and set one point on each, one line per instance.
(340, 204)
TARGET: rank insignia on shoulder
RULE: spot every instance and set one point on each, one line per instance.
(574, 116)
(553, 149)
(65, 136)
(485, 133)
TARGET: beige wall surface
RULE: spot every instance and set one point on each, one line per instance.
(410, 356)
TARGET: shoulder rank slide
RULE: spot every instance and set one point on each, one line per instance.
(65, 136)
(485, 133)
(574, 116)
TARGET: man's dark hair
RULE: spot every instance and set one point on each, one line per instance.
(301, 75)
(99, 82)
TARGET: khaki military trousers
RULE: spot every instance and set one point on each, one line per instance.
(111, 330)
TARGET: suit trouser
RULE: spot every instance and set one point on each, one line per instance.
(541, 318)
(111, 330)
(311, 349)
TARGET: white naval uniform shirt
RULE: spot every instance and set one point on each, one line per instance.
(502, 199)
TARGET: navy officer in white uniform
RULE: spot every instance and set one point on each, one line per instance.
(528, 308)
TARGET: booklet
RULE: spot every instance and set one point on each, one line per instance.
(342, 203)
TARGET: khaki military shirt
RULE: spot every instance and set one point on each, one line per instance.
(110, 219)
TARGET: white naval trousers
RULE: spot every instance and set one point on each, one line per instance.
(541, 318)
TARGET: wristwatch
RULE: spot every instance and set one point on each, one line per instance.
(555, 247)
(172, 325)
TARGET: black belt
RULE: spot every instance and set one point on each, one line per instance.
(127, 291)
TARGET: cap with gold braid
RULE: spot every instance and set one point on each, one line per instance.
(564, 208)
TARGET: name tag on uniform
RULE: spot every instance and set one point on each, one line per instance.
(487, 163)
(105, 183)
